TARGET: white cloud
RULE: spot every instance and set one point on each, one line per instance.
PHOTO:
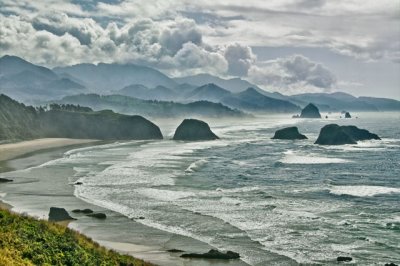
(293, 74)
(240, 59)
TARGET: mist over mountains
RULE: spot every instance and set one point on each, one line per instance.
(148, 91)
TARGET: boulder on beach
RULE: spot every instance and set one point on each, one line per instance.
(174, 250)
(193, 129)
(288, 133)
(334, 134)
(98, 215)
(344, 259)
(84, 211)
(347, 115)
(5, 180)
(59, 214)
(310, 111)
(213, 254)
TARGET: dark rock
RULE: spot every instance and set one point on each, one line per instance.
(141, 218)
(78, 183)
(288, 133)
(85, 211)
(344, 259)
(192, 129)
(347, 115)
(174, 250)
(213, 254)
(59, 214)
(5, 180)
(310, 111)
(98, 215)
(326, 117)
(391, 264)
(334, 134)
(359, 134)
(295, 116)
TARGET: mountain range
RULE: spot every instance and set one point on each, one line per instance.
(31, 83)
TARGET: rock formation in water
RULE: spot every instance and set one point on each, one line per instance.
(59, 214)
(344, 259)
(334, 134)
(289, 133)
(310, 111)
(347, 115)
(192, 129)
(213, 254)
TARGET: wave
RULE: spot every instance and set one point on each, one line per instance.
(363, 191)
(194, 167)
(291, 157)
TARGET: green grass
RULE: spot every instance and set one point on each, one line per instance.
(27, 241)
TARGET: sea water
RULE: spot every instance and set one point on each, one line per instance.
(293, 201)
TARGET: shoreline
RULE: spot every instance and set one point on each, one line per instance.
(137, 240)
(11, 151)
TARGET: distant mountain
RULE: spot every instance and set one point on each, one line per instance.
(10, 65)
(110, 77)
(252, 100)
(233, 85)
(18, 122)
(209, 92)
(383, 104)
(25, 81)
(339, 101)
(160, 93)
(151, 108)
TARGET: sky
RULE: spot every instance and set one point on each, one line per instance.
(290, 46)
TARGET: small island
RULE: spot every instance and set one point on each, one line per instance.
(310, 111)
(193, 129)
(291, 133)
(334, 134)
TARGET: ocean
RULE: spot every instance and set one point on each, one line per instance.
(275, 201)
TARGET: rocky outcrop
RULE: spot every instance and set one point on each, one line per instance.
(84, 211)
(192, 129)
(334, 134)
(98, 215)
(344, 259)
(59, 214)
(5, 180)
(310, 111)
(347, 115)
(213, 254)
(288, 133)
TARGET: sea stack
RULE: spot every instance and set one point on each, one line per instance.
(334, 134)
(289, 133)
(310, 111)
(347, 115)
(58, 215)
(193, 129)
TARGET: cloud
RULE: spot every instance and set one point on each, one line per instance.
(174, 46)
(293, 74)
(239, 58)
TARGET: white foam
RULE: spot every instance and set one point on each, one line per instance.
(291, 157)
(164, 195)
(194, 167)
(363, 191)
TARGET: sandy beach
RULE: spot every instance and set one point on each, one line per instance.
(14, 150)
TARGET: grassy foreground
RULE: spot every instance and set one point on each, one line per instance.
(27, 241)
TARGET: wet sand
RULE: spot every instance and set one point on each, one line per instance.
(14, 150)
